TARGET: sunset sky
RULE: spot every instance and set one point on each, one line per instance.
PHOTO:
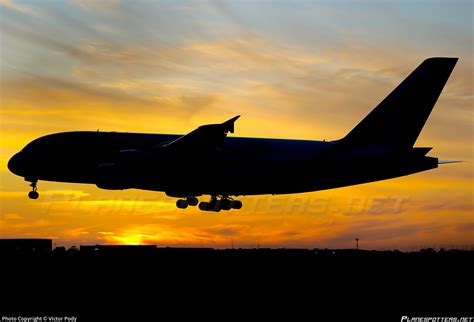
(293, 69)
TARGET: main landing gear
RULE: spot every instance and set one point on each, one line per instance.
(33, 194)
(224, 203)
(215, 204)
(189, 201)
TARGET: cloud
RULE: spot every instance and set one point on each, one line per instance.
(11, 216)
(61, 45)
(465, 227)
(50, 194)
(255, 74)
(22, 8)
(44, 98)
(93, 5)
(449, 206)
(226, 230)
(74, 233)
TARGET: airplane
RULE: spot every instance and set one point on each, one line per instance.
(208, 162)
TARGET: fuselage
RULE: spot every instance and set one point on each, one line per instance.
(241, 166)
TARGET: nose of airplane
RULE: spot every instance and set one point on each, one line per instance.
(16, 163)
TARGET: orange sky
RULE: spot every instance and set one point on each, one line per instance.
(311, 70)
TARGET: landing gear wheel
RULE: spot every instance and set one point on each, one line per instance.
(226, 204)
(203, 205)
(214, 205)
(237, 204)
(192, 201)
(33, 194)
(182, 204)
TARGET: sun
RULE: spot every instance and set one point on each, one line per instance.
(127, 239)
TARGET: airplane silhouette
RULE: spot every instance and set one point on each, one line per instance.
(207, 162)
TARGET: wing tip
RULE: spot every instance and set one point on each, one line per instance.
(229, 124)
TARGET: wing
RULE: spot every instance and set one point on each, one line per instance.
(205, 137)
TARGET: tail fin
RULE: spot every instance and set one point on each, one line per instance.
(399, 118)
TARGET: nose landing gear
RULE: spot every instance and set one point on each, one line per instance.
(33, 194)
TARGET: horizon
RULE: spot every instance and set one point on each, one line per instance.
(232, 246)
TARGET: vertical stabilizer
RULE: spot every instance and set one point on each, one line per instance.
(399, 118)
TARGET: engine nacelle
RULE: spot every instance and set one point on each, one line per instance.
(107, 176)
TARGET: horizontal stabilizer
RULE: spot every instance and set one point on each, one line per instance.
(421, 151)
